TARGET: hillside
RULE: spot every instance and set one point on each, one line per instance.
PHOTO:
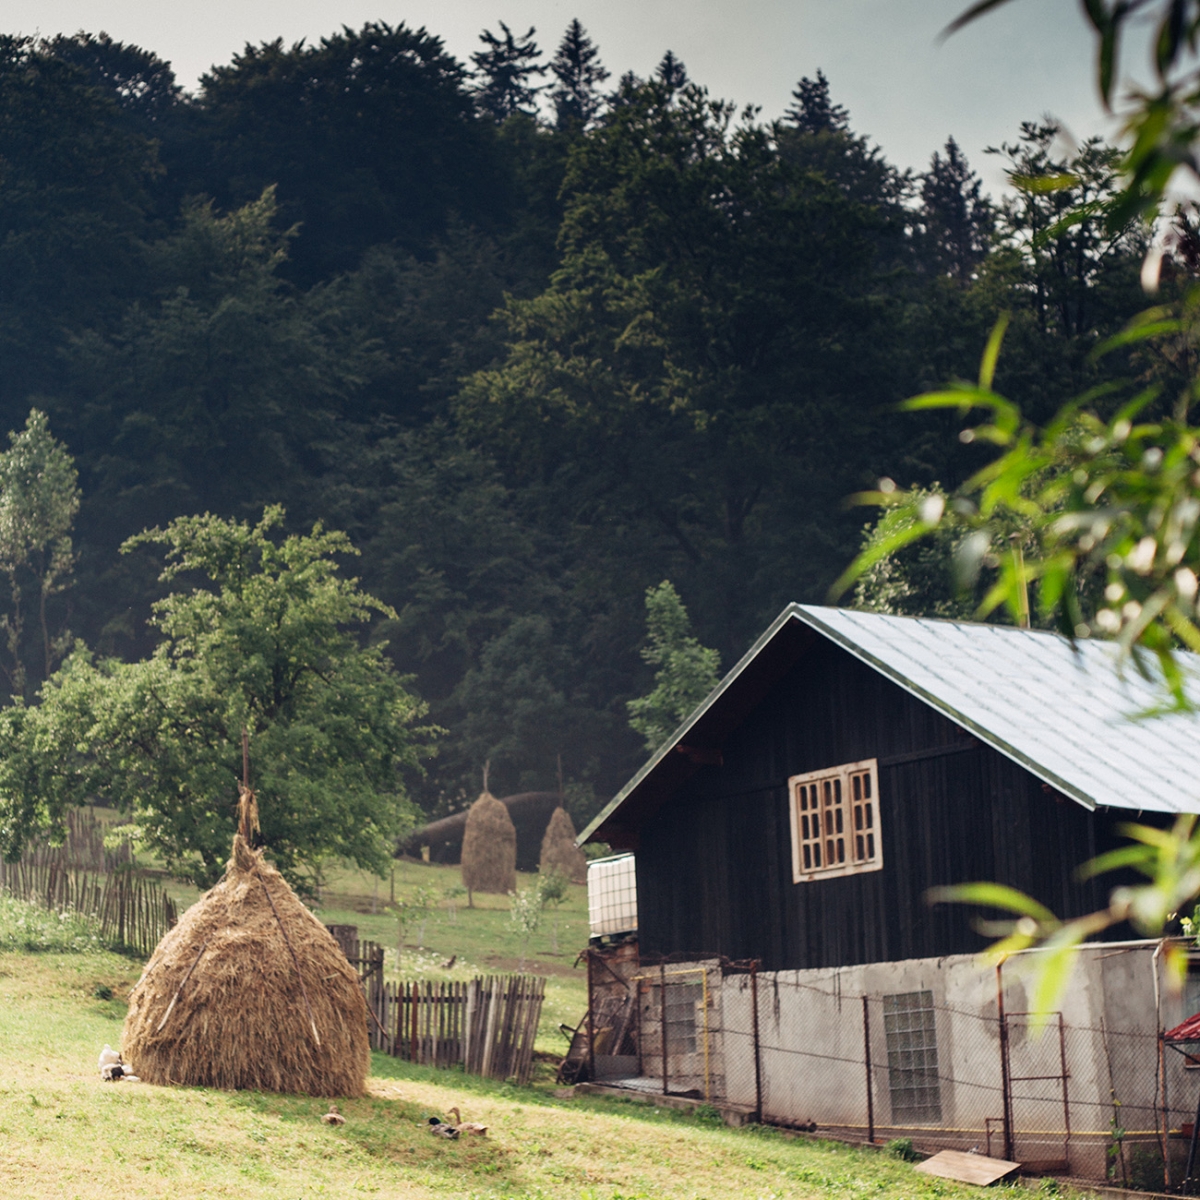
(67, 1134)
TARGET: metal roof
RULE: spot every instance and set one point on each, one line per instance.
(1071, 713)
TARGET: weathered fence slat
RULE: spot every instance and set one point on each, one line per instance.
(132, 912)
(488, 1026)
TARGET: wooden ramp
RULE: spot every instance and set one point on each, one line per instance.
(967, 1168)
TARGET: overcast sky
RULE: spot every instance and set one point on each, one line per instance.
(903, 88)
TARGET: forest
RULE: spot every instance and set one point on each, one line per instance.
(534, 338)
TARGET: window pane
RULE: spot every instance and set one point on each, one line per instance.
(913, 1080)
(682, 999)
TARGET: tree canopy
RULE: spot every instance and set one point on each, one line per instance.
(535, 339)
(262, 640)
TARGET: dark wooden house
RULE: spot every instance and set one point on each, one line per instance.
(852, 761)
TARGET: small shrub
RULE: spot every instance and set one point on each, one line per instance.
(902, 1148)
(102, 992)
(1146, 1169)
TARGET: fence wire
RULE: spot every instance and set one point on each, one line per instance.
(1059, 1097)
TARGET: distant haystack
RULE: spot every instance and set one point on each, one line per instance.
(249, 990)
(559, 852)
(489, 852)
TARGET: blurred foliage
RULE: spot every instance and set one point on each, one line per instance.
(1086, 519)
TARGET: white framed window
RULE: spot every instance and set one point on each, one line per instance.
(835, 821)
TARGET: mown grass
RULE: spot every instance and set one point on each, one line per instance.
(66, 1134)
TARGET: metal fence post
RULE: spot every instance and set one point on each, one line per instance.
(758, 1110)
(662, 994)
(1005, 1084)
(1165, 1135)
(867, 1061)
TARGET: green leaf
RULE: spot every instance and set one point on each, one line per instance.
(973, 13)
(991, 353)
(993, 895)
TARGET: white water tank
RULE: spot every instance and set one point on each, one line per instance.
(612, 895)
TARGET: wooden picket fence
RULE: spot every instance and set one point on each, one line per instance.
(486, 1026)
(133, 912)
(82, 848)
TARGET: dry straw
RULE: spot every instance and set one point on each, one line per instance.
(559, 852)
(489, 849)
(249, 990)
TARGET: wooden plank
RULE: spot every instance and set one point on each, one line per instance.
(967, 1168)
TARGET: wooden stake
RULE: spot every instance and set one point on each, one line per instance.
(295, 959)
(180, 988)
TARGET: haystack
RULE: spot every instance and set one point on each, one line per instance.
(489, 851)
(559, 852)
(249, 990)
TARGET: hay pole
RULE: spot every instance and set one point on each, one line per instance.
(312, 1021)
(183, 983)
(369, 1009)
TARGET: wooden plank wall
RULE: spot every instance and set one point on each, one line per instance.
(714, 863)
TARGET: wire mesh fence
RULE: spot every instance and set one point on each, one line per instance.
(1058, 1095)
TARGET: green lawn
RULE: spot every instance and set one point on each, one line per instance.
(68, 1135)
(481, 939)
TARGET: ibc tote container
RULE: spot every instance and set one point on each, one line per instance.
(612, 895)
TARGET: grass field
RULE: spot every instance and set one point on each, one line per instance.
(68, 1135)
(481, 939)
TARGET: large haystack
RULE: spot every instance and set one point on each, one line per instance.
(489, 851)
(249, 990)
(559, 852)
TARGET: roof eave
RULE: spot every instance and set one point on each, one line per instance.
(791, 612)
(948, 711)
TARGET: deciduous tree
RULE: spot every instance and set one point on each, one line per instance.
(263, 639)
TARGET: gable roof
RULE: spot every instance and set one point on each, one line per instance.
(1066, 712)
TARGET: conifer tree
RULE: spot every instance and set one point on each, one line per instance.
(956, 218)
(671, 71)
(576, 95)
(814, 111)
(504, 73)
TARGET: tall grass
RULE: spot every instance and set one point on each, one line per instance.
(28, 927)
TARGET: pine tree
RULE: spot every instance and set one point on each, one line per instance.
(671, 71)
(576, 97)
(505, 71)
(814, 111)
(956, 218)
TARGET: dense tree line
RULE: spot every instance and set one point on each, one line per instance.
(535, 340)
